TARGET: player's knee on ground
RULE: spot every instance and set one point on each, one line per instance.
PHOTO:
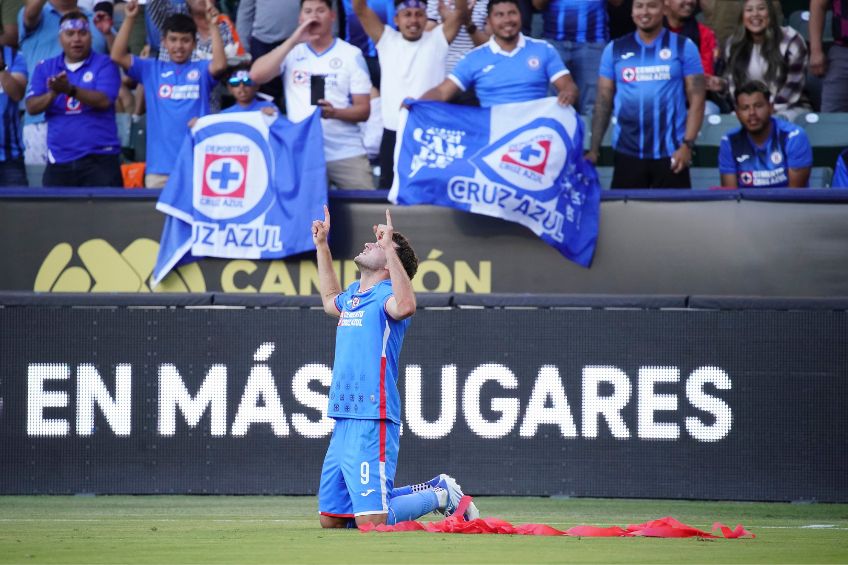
(333, 521)
(375, 519)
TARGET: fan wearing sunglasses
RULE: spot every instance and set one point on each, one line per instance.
(242, 88)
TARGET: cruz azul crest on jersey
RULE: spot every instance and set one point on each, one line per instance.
(530, 158)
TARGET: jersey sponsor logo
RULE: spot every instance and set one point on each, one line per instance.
(180, 92)
(166, 74)
(72, 105)
(351, 319)
(367, 492)
(533, 62)
(193, 75)
(627, 55)
(743, 158)
(300, 76)
(88, 76)
(665, 54)
(335, 63)
(646, 74)
(759, 178)
(224, 176)
(776, 157)
(487, 68)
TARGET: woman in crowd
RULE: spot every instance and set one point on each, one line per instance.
(760, 49)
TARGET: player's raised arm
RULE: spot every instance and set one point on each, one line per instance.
(327, 279)
(402, 305)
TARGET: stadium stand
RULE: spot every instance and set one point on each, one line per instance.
(828, 135)
(800, 20)
(709, 138)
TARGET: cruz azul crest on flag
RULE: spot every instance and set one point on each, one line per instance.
(244, 186)
(521, 162)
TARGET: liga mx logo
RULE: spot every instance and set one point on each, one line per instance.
(224, 176)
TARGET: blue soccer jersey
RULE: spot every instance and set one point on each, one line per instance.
(368, 344)
(840, 172)
(11, 144)
(649, 109)
(174, 93)
(501, 77)
(255, 105)
(74, 129)
(580, 21)
(765, 166)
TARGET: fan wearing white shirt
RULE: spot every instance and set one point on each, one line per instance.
(312, 50)
(412, 61)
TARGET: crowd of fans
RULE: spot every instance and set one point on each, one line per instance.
(650, 69)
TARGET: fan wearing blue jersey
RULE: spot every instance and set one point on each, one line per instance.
(175, 91)
(578, 30)
(509, 67)
(374, 313)
(76, 90)
(243, 90)
(647, 79)
(764, 152)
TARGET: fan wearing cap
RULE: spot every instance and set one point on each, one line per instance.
(412, 61)
(77, 90)
(242, 88)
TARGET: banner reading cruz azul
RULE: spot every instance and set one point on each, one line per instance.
(243, 188)
(521, 162)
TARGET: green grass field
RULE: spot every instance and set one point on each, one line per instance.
(222, 529)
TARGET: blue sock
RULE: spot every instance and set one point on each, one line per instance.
(409, 489)
(411, 506)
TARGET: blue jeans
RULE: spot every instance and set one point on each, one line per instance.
(583, 60)
(13, 173)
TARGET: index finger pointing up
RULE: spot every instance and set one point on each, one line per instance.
(388, 218)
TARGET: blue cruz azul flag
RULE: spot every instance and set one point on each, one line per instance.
(521, 162)
(244, 186)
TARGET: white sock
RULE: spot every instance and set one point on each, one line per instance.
(442, 497)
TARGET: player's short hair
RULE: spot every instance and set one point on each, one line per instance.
(329, 3)
(73, 15)
(752, 87)
(490, 6)
(179, 23)
(406, 254)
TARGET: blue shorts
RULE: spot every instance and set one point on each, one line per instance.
(359, 468)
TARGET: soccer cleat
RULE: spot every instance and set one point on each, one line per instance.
(455, 494)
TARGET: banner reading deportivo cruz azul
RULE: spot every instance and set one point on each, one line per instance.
(521, 162)
(245, 186)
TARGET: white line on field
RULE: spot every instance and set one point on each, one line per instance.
(291, 520)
